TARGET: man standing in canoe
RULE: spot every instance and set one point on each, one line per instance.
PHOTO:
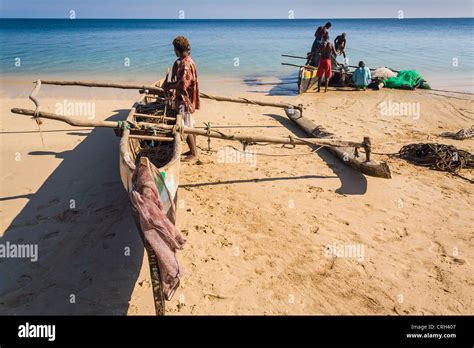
(186, 90)
(325, 64)
(321, 35)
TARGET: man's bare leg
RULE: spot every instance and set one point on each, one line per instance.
(191, 141)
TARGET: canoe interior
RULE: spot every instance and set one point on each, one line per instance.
(163, 156)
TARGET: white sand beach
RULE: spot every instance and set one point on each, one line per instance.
(257, 231)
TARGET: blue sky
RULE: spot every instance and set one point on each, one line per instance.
(235, 8)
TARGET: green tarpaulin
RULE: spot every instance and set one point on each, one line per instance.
(406, 79)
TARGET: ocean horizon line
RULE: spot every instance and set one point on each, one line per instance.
(233, 19)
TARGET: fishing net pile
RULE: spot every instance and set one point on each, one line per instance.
(437, 156)
(407, 79)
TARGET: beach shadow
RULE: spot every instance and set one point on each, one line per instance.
(286, 89)
(89, 251)
(11, 198)
(352, 181)
(79, 134)
(50, 153)
(350, 89)
(281, 86)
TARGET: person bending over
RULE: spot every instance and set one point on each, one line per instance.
(340, 44)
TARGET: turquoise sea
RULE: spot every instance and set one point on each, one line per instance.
(442, 50)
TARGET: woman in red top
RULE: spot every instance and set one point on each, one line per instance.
(186, 90)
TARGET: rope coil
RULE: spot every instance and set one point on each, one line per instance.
(437, 156)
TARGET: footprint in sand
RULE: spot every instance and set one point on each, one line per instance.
(49, 235)
(68, 216)
(24, 279)
(18, 299)
(457, 261)
(50, 203)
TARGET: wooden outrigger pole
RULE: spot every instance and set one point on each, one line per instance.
(144, 131)
(159, 90)
(347, 155)
(346, 151)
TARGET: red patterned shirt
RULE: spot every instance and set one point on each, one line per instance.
(187, 92)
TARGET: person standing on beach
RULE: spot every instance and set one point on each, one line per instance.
(325, 64)
(361, 76)
(185, 89)
(321, 35)
(340, 44)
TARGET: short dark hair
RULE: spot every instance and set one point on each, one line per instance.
(181, 44)
(361, 64)
(328, 25)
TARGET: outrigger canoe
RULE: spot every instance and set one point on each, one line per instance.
(150, 149)
(159, 162)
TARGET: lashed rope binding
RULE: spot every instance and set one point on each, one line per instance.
(208, 130)
(33, 98)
